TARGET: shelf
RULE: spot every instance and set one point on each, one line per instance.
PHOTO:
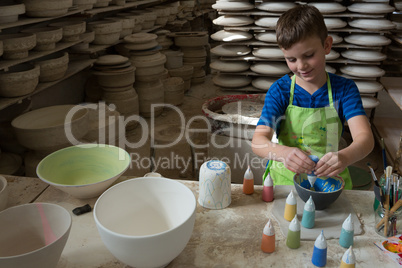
(23, 20)
(258, 12)
(74, 67)
(130, 4)
(4, 64)
(393, 85)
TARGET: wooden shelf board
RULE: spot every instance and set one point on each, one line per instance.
(4, 64)
(130, 4)
(393, 85)
(74, 67)
(24, 20)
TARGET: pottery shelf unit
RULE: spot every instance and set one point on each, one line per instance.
(262, 18)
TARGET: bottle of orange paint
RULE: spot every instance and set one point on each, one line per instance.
(248, 182)
(268, 238)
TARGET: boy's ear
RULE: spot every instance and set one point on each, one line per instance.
(328, 44)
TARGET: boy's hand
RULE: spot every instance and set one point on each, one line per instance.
(298, 161)
(330, 164)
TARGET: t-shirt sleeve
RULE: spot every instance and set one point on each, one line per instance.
(274, 106)
(351, 102)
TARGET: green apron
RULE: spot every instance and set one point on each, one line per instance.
(316, 130)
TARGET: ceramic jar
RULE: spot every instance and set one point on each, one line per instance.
(72, 29)
(46, 37)
(53, 67)
(9, 12)
(17, 46)
(107, 32)
(47, 8)
(215, 185)
(19, 80)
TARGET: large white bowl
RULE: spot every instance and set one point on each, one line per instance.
(33, 235)
(146, 222)
(3, 193)
(84, 171)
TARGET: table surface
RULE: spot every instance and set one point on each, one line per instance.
(230, 237)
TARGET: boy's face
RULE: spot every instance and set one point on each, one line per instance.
(306, 58)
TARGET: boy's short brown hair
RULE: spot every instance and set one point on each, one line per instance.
(298, 23)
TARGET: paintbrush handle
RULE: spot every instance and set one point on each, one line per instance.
(386, 217)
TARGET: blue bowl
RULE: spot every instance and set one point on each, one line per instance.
(326, 190)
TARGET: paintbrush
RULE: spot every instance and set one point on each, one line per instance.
(388, 172)
(373, 175)
(377, 188)
(384, 156)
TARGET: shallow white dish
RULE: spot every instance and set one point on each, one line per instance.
(336, 38)
(272, 68)
(370, 102)
(243, 108)
(231, 81)
(368, 39)
(231, 50)
(269, 22)
(362, 70)
(269, 36)
(270, 53)
(371, 8)
(333, 55)
(230, 66)
(334, 23)
(328, 7)
(372, 24)
(276, 6)
(263, 83)
(232, 20)
(368, 86)
(330, 69)
(363, 55)
(232, 6)
(231, 36)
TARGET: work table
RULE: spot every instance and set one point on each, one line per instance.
(230, 237)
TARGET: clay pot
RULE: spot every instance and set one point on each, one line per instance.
(150, 93)
(9, 12)
(53, 67)
(174, 90)
(72, 29)
(127, 25)
(107, 32)
(46, 129)
(16, 46)
(174, 59)
(87, 37)
(150, 64)
(84, 4)
(46, 37)
(47, 8)
(111, 80)
(102, 3)
(19, 80)
(126, 102)
(153, 77)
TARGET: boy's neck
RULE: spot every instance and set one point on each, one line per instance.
(312, 86)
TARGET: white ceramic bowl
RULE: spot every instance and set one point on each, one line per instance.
(146, 222)
(33, 235)
(84, 171)
(3, 193)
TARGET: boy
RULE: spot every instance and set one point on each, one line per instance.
(308, 110)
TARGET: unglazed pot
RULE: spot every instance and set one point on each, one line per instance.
(156, 226)
(72, 29)
(3, 193)
(46, 37)
(9, 12)
(16, 46)
(19, 80)
(53, 67)
(47, 8)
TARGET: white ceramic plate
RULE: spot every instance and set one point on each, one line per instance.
(334, 23)
(230, 66)
(370, 102)
(363, 55)
(371, 8)
(269, 37)
(231, 36)
(362, 70)
(243, 108)
(333, 55)
(233, 20)
(231, 50)
(336, 38)
(270, 53)
(272, 68)
(232, 6)
(367, 39)
(372, 24)
(263, 83)
(227, 80)
(328, 7)
(269, 22)
(330, 69)
(276, 6)
(368, 86)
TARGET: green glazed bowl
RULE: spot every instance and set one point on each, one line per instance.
(84, 171)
